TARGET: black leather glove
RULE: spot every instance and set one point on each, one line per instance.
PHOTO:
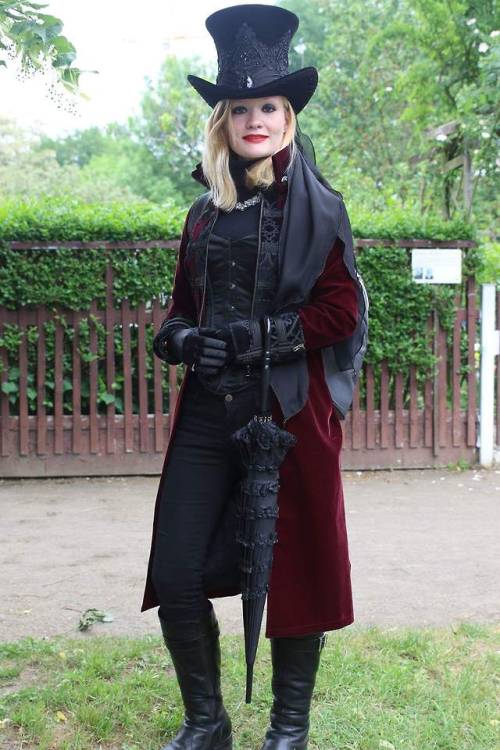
(193, 346)
(244, 339)
(160, 342)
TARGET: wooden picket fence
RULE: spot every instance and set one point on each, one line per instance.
(409, 426)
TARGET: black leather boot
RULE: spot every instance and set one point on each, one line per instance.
(295, 664)
(195, 651)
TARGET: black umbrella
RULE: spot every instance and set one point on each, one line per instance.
(262, 447)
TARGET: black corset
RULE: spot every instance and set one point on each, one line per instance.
(231, 274)
(231, 270)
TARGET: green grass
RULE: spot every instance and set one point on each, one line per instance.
(377, 689)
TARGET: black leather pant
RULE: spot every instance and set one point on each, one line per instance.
(202, 472)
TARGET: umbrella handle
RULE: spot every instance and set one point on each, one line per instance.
(266, 363)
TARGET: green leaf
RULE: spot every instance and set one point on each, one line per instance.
(53, 26)
(66, 52)
(9, 387)
(92, 615)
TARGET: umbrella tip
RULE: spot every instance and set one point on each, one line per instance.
(248, 697)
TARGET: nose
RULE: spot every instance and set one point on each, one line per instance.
(254, 120)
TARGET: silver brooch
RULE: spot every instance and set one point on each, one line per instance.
(249, 82)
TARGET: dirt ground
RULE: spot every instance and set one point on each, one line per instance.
(423, 547)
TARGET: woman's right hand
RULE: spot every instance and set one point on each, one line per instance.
(199, 347)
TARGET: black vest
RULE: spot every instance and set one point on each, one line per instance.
(242, 276)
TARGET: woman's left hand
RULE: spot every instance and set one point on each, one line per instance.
(244, 339)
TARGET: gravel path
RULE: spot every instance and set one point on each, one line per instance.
(423, 548)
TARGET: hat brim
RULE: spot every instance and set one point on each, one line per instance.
(298, 87)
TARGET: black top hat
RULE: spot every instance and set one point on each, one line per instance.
(252, 44)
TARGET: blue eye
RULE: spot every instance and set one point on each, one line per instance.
(236, 110)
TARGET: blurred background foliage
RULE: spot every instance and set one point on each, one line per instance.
(405, 118)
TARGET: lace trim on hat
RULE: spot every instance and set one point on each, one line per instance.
(248, 54)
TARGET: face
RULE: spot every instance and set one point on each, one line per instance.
(258, 126)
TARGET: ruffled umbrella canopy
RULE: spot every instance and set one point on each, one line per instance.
(262, 447)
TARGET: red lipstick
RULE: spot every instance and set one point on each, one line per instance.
(255, 138)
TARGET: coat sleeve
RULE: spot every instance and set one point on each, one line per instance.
(181, 309)
(181, 306)
(332, 311)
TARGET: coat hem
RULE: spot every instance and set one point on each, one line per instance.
(310, 628)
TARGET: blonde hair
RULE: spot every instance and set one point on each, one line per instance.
(215, 160)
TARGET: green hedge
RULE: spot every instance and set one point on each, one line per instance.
(73, 278)
(58, 220)
(399, 308)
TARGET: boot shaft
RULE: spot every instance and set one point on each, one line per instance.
(295, 664)
(296, 660)
(194, 648)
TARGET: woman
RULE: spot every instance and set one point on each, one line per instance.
(270, 237)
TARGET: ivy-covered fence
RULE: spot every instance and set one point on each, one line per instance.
(81, 389)
(81, 297)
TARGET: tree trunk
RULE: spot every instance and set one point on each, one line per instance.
(467, 180)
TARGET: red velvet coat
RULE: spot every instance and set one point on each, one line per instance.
(310, 585)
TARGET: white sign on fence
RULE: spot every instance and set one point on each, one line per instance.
(435, 265)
